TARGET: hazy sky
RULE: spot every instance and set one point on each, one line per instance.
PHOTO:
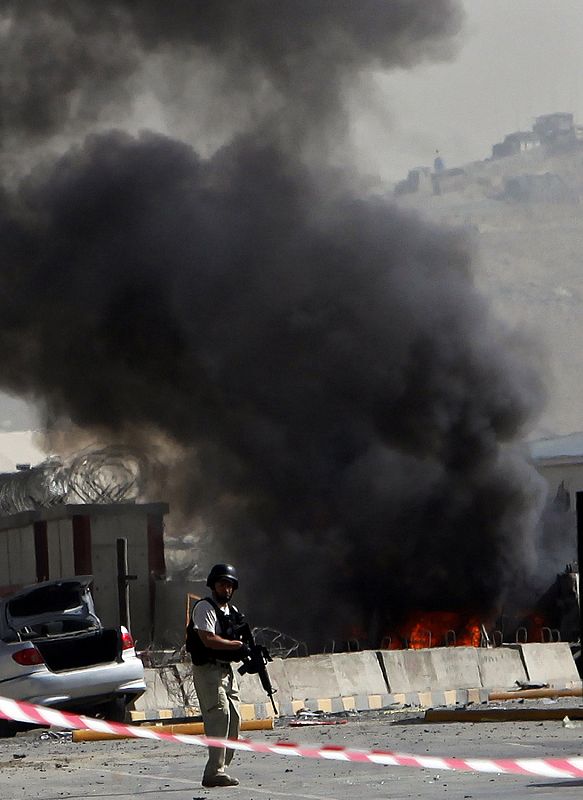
(518, 59)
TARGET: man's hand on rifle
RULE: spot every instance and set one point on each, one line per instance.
(244, 651)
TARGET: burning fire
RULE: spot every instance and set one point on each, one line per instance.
(435, 629)
(424, 629)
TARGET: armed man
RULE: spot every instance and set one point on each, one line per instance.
(213, 646)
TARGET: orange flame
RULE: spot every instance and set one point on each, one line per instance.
(436, 629)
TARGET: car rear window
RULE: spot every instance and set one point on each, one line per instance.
(46, 600)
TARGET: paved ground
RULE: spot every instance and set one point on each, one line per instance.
(52, 769)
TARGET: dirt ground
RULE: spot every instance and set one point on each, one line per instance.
(52, 767)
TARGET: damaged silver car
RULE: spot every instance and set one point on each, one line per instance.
(55, 652)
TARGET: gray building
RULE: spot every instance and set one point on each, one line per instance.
(515, 143)
(560, 461)
(67, 540)
(556, 131)
(418, 180)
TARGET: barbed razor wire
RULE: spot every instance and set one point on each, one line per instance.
(95, 475)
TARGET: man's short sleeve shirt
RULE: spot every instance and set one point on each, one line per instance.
(204, 617)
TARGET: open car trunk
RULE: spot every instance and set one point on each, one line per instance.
(59, 618)
(80, 649)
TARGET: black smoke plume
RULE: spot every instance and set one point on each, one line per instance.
(341, 393)
(66, 63)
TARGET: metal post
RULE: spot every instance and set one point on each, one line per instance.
(123, 579)
(579, 508)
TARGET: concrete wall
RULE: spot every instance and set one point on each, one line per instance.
(17, 557)
(60, 548)
(104, 533)
(371, 679)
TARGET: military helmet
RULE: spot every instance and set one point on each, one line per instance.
(219, 571)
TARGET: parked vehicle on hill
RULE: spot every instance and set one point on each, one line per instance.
(55, 652)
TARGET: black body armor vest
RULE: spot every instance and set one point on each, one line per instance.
(228, 625)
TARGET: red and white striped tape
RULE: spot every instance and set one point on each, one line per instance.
(571, 767)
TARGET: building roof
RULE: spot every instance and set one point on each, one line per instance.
(567, 448)
(555, 114)
(522, 136)
(68, 510)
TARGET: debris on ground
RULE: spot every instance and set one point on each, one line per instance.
(305, 717)
(531, 685)
(62, 736)
(570, 723)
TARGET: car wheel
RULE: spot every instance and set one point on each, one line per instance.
(7, 729)
(114, 710)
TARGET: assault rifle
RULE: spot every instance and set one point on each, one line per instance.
(255, 660)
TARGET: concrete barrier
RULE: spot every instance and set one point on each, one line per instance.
(371, 680)
(550, 663)
(168, 694)
(156, 695)
(500, 667)
(359, 673)
(309, 677)
(438, 668)
(331, 682)
(456, 667)
(408, 670)
(251, 690)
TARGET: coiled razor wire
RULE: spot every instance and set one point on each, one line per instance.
(110, 475)
(279, 644)
(104, 475)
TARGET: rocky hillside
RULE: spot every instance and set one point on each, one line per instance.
(525, 217)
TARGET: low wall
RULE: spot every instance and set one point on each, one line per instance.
(329, 682)
(358, 673)
(169, 694)
(549, 663)
(371, 679)
(501, 667)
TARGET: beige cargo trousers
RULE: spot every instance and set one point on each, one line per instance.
(217, 691)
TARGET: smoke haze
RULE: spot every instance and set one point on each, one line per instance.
(341, 397)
